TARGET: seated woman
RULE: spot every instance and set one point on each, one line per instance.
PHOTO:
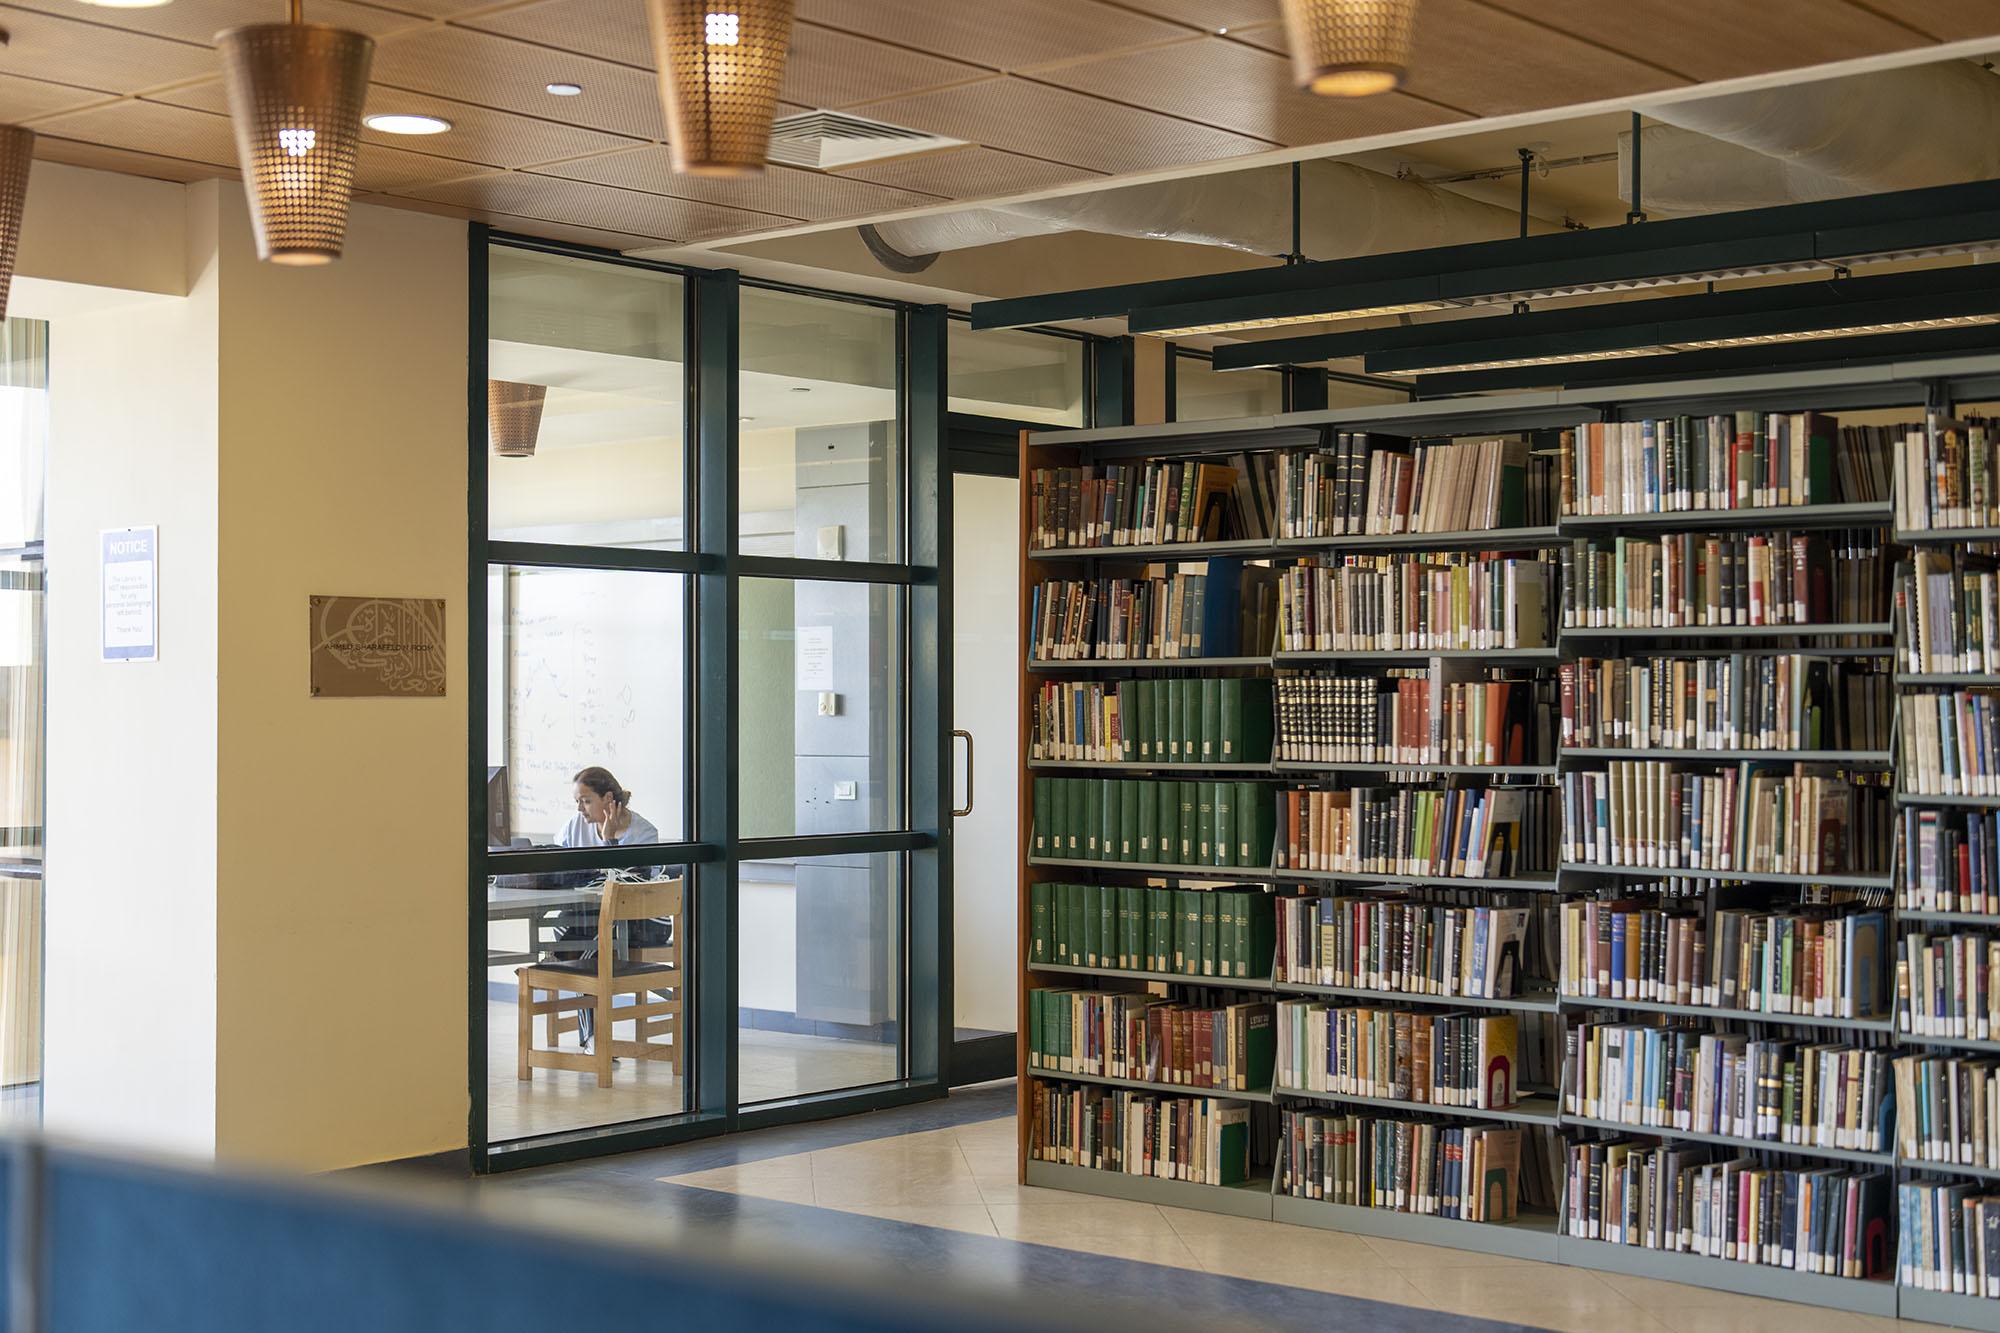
(604, 818)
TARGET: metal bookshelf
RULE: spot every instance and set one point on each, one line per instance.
(1735, 1141)
(1907, 386)
(1142, 1085)
(1985, 1044)
(1945, 536)
(1171, 978)
(1586, 868)
(1785, 517)
(1735, 1015)
(1251, 1199)
(1527, 1111)
(1918, 798)
(1845, 758)
(1532, 1002)
(1053, 664)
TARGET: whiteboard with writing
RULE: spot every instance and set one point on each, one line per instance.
(595, 676)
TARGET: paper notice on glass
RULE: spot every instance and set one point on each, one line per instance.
(814, 657)
(129, 581)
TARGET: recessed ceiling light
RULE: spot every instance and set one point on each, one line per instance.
(1222, 32)
(565, 89)
(401, 123)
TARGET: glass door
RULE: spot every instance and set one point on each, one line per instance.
(985, 589)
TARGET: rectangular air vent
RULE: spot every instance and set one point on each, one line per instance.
(829, 140)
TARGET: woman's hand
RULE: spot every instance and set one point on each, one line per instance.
(614, 815)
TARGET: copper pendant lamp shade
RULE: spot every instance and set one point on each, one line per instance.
(720, 67)
(295, 93)
(17, 152)
(514, 417)
(1350, 48)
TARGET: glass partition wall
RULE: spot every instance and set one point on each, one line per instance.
(705, 529)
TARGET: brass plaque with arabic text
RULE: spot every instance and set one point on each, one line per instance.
(377, 647)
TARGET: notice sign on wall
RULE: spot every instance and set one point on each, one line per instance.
(812, 656)
(129, 580)
(365, 647)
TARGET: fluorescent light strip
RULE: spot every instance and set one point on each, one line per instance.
(1846, 331)
(1615, 354)
(1280, 321)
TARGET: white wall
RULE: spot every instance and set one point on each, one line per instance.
(131, 939)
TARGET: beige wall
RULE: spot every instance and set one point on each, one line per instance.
(256, 907)
(341, 909)
(131, 910)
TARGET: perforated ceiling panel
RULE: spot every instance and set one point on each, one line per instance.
(968, 173)
(602, 206)
(199, 20)
(148, 127)
(478, 135)
(1063, 126)
(22, 99)
(784, 192)
(94, 55)
(1707, 39)
(49, 148)
(1492, 63)
(1944, 20)
(1210, 14)
(1243, 89)
(514, 76)
(998, 34)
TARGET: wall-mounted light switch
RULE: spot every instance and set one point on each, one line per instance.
(843, 791)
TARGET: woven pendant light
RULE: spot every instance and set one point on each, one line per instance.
(514, 417)
(17, 152)
(720, 67)
(295, 93)
(1350, 48)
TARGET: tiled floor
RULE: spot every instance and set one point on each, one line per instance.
(930, 1190)
(772, 1065)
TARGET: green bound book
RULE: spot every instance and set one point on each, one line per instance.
(1190, 720)
(1130, 907)
(1254, 730)
(1093, 817)
(1211, 720)
(1232, 1138)
(1260, 1046)
(1171, 691)
(1157, 691)
(1040, 897)
(1075, 815)
(1146, 847)
(1166, 840)
(1142, 719)
(1224, 843)
(1128, 821)
(1189, 834)
(1107, 925)
(1256, 823)
(1044, 814)
(1263, 929)
(1204, 829)
(1034, 1029)
(1128, 712)
(1225, 931)
(1210, 944)
(1160, 916)
(1093, 925)
(1107, 818)
(1229, 723)
(1068, 918)
(1187, 932)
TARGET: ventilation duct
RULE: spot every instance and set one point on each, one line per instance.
(1345, 210)
(1824, 140)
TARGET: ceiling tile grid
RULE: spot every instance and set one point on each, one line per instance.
(1240, 88)
(1032, 118)
(968, 173)
(996, 34)
(602, 207)
(1707, 39)
(1492, 63)
(782, 191)
(113, 59)
(198, 21)
(25, 99)
(470, 66)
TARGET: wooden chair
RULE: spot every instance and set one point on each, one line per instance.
(596, 983)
